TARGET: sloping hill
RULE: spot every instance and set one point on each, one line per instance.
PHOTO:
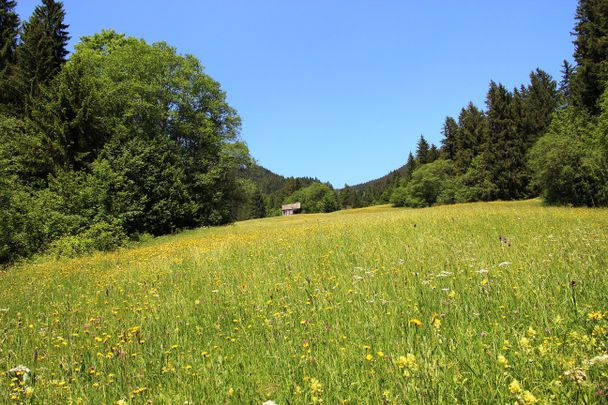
(447, 304)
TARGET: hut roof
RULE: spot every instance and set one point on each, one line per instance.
(294, 206)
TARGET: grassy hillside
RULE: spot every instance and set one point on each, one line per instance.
(494, 302)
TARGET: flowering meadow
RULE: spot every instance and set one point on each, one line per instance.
(480, 303)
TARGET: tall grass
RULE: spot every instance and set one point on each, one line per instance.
(481, 303)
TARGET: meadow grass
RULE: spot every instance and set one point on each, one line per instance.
(477, 303)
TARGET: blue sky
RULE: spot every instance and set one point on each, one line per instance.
(342, 90)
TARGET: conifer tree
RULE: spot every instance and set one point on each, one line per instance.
(410, 166)
(564, 85)
(422, 151)
(539, 100)
(42, 51)
(590, 53)
(9, 31)
(506, 147)
(450, 135)
(471, 137)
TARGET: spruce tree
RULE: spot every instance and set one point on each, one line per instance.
(450, 135)
(590, 53)
(539, 100)
(422, 151)
(472, 136)
(506, 149)
(42, 51)
(9, 32)
(410, 166)
(564, 85)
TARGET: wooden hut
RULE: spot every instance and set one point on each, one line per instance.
(290, 209)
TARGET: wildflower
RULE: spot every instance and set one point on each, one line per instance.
(315, 386)
(269, 402)
(452, 294)
(121, 402)
(29, 391)
(598, 360)
(531, 332)
(369, 357)
(484, 281)
(502, 360)
(529, 398)
(514, 387)
(415, 322)
(524, 342)
(595, 316)
(577, 375)
(230, 392)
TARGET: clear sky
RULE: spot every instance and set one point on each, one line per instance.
(342, 89)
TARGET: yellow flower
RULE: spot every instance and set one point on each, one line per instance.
(29, 391)
(524, 342)
(484, 281)
(415, 322)
(315, 386)
(369, 357)
(502, 360)
(595, 316)
(529, 398)
(514, 387)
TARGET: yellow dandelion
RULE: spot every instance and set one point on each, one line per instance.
(595, 316)
(415, 322)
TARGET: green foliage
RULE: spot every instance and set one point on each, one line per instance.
(318, 197)
(569, 164)
(127, 134)
(9, 31)
(430, 183)
(101, 236)
(42, 50)
(591, 76)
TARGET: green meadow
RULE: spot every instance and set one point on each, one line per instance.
(500, 302)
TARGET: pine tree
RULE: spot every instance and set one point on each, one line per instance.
(42, 51)
(590, 53)
(422, 151)
(450, 135)
(9, 31)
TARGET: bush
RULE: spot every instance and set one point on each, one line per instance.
(317, 197)
(102, 236)
(428, 183)
(569, 164)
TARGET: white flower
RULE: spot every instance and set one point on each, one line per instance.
(598, 360)
(270, 402)
(503, 264)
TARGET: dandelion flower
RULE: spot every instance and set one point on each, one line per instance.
(415, 322)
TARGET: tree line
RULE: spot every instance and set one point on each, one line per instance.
(543, 138)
